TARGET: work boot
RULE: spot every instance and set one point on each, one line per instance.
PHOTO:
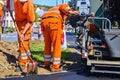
(56, 70)
(46, 67)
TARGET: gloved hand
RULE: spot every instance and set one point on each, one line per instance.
(22, 36)
(74, 12)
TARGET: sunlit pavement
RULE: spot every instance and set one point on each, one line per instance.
(12, 37)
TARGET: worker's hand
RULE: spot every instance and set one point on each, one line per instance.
(74, 12)
(22, 36)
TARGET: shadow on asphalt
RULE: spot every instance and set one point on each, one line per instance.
(70, 75)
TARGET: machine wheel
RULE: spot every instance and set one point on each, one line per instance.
(88, 68)
(84, 62)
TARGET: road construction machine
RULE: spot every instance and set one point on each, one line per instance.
(100, 41)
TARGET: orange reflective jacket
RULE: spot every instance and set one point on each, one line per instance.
(59, 11)
(1, 12)
(23, 11)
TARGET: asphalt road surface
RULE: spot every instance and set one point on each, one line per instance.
(69, 75)
(76, 74)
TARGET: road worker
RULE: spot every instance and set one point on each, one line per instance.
(51, 25)
(92, 26)
(24, 17)
(91, 23)
(1, 18)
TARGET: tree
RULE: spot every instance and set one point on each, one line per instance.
(72, 4)
(73, 19)
(36, 17)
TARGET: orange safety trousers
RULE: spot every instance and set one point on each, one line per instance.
(1, 15)
(52, 29)
(23, 58)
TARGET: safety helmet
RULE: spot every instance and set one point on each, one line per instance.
(64, 8)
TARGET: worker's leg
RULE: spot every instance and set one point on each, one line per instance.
(56, 51)
(56, 42)
(47, 48)
(23, 58)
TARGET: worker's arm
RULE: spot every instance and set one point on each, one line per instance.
(66, 10)
(30, 17)
(27, 26)
(74, 12)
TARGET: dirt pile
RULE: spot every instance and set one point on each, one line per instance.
(8, 56)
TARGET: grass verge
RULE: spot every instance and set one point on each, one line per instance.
(37, 49)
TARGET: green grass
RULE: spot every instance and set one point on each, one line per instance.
(37, 50)
(65, 54)
(0, 29)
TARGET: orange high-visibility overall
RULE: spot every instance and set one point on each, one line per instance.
(52, 24)
(1, 11)
(1, 15)
(24, 13)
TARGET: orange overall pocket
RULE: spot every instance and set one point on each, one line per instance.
(53, 25)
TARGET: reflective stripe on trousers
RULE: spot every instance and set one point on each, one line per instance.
(56, 61)
(47, 57)
(23, 56)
